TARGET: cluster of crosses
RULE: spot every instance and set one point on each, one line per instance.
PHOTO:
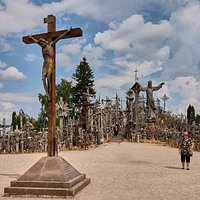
(92, 125)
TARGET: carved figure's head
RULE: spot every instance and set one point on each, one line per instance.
(150, 83)
(42, 41)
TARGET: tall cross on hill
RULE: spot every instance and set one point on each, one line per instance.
(47, 42)
(136, 78)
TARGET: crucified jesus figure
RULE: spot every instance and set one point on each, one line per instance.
(48, 55)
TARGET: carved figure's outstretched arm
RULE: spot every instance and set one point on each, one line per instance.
(158, 87)
(36, 40)
(62, 35)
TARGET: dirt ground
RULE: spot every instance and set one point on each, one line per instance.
(119, 171)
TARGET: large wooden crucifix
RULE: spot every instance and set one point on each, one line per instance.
(47, 42)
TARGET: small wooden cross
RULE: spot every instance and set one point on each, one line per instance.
(47, 41)
(136, 71)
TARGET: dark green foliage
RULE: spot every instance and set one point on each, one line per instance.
(84, 78)
(14, 120)
(18, 122)
(24, 120)
(39, 123)
(64, 90)
(43, 100)
(197, 119)
(190, 114)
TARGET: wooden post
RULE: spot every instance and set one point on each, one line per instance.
(50, 36)
(51, 149)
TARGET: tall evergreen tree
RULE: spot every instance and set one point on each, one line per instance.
(14, 120)
(84, 78)
(190, 114)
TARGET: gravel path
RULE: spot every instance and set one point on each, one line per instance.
(119, 171)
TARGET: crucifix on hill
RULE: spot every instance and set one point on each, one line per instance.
(47, 42)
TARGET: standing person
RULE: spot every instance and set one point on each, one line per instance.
(116, 129)
(185, 149)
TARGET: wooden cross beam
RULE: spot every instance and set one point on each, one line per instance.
(47, 42)
(75, 32)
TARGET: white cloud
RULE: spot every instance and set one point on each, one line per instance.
(5, 45)
(136, 42)
(134, 35)
(17, 12)
(2, 65)
(30, 57)
(24, 15)
(7, 115)
(9, 72)
(111, 84)
(7, 105)
(65, 55)
(94, 55)
(184, 43)
(63, 60)
(12, 73)
(10, 102)
(70, 49)
(18, 97)
(187, 89)
(6, 109)
(1, 85)
(127, 67)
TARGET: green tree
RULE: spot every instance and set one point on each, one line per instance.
(39, 123)
(197, 120)
(65, 90)
(190, 114)
(14, 120)
(18, 122)
(84, 78)
(43, 100)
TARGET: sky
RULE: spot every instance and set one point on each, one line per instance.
(159, 38)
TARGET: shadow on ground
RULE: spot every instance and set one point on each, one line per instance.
(11, 175)
(171, 167)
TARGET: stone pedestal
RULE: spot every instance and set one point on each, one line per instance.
(50, 176)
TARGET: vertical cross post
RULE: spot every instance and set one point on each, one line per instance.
(47, 41)
(51, 112)
(136, 78)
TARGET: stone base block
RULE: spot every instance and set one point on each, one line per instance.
(50, 176)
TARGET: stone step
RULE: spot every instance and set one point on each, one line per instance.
(40, 191)
(76, 188)
(48, 184)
